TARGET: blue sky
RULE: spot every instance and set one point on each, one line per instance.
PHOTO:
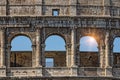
(56, 43)
(116, 43)
(21, 43)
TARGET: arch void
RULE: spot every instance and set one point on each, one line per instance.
(116, 43)
(55, 43)
(21, 52)
(88, 43)
(21, 43)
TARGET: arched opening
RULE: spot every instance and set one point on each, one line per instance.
(116, 45)
(88, 52)
(116, 52)
(55, 52)
(88, 43)
(21, 52)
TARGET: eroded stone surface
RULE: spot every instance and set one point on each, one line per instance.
(75, 19)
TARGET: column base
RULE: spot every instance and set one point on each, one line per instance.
(74, 66)
(74, 71)
(38, 66)
(108, 71)
(108, 67)
(3, 67)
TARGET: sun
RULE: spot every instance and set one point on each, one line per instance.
(88, 43)
(91, 39)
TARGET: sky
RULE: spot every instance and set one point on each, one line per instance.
(116, 45)
(21, 43)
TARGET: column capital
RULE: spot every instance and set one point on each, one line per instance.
(38, 28)
(77, 45)
(73, 27)
(9, 46)
(43, 45)
(68, 45)
(2, 28)
(33, 45)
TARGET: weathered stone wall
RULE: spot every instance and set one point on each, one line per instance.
(22, 10)
(24, 59)
(3, 7)
(89, 10)
(65, 7)
(90, 59)
(58, 78)
(116, 60)
(2, 10)
(24, 2)
(58, 56)
(56, 2)
(87, 59)
(63, 11)
(21, 59)
(77, 18)
(115, 3)
(25, 7)
(90, 2)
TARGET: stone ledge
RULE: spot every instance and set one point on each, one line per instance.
(59, 78)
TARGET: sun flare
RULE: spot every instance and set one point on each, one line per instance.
(91, 39)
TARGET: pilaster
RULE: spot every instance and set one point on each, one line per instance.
(2, 47)
(107, 51)
(108, 68)
(101, 70)
(71, 50)
(68, 55)
(72, 4)
(33, 55)
(102, 56)
(73, 47)
(43, 54)
(8, 55)
(106, 7)
(38, 48)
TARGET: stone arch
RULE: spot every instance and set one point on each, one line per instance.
(59, 56)
(116, 43)
(26, 39)
(59, 38)
(59, 34)
(19, 34)
(92, 33)
(91, 40)
(116, 51)
(21, 58)
(89, 58)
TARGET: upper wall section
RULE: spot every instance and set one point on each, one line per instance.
(91, 7)
(90, 2)
(3, 2)
(115, 3)
(25, 10)
(24, 2)
(56, 2)
(3, 7)
(25, 7)
(65, 7)
(115, 9)
(60, 5)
